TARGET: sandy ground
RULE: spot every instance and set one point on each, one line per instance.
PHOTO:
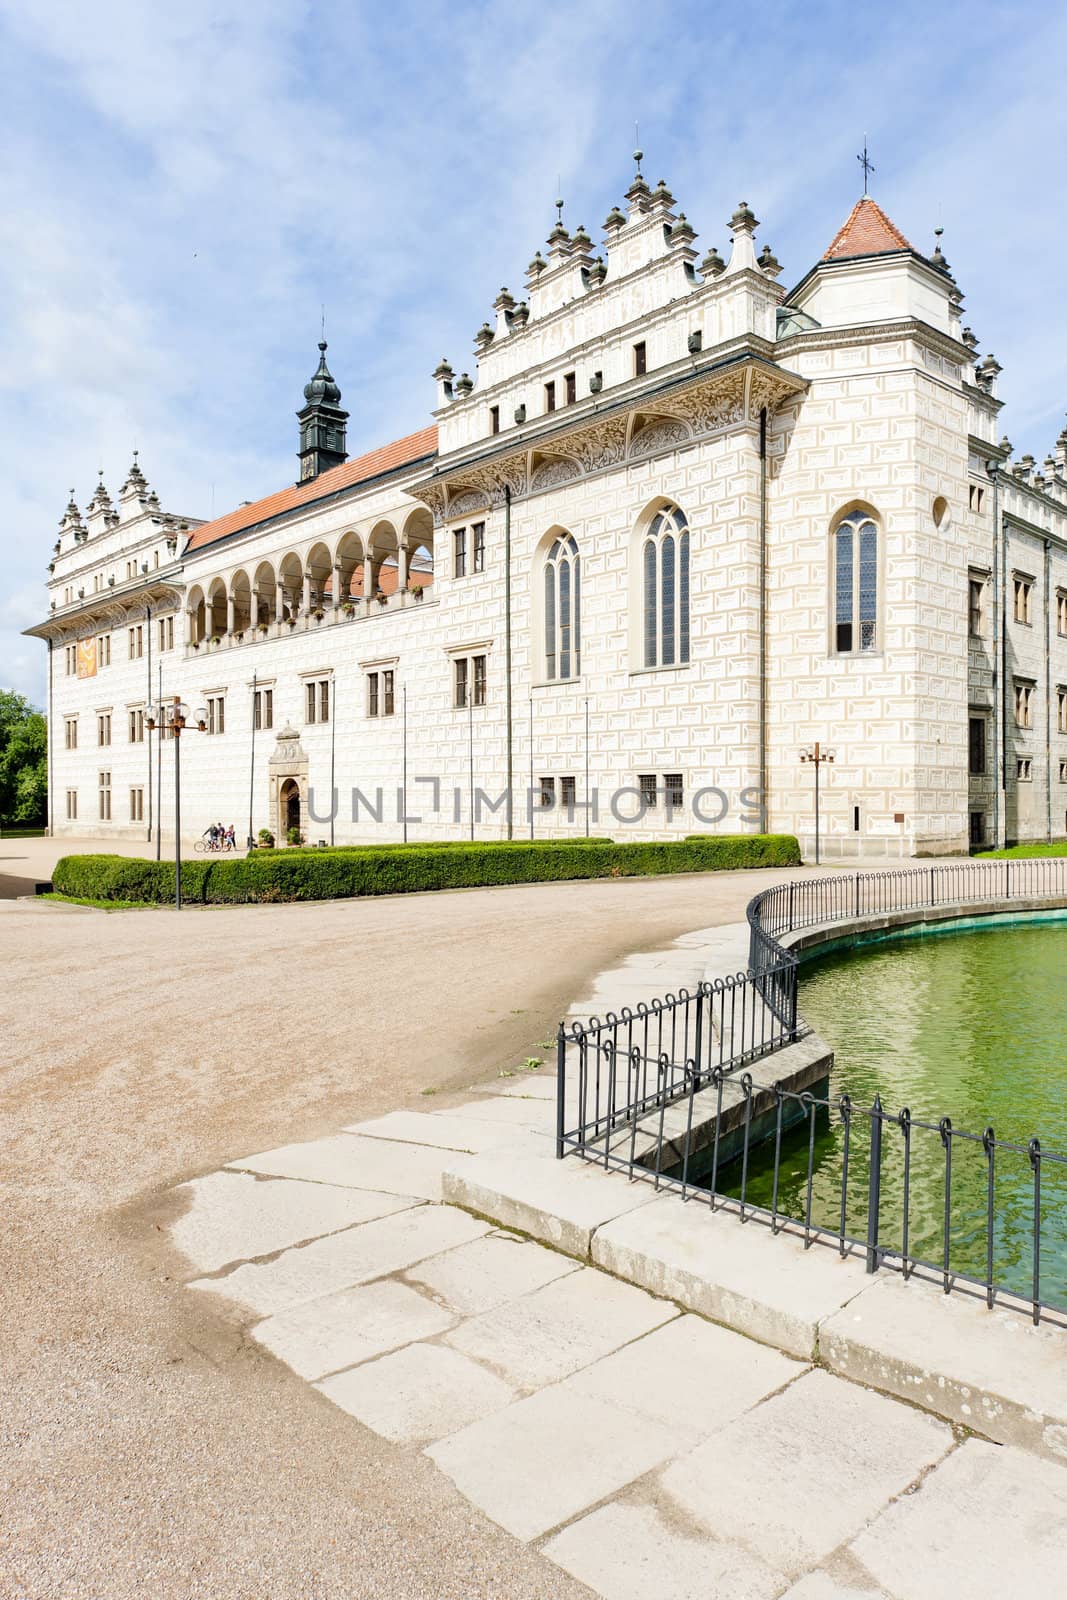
(145, 1447)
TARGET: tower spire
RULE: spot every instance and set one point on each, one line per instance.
(322, 421)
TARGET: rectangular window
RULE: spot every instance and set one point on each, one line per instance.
(103, 727)
(459, 552)
(460, 666)
(70, 656)
(976, 589)
(494, 419)
(1023, 592)
(317, 694)
(1061, 710)
(550, 397)
(263, 709)
(1061, 612)
(1024, 705)
(136, 725)
(568, 793)
(1063, 771)
(977, 746)
(373, 703)
(216, 713)
(478, 539)
(479, 680)
(548, 794)
(103, 650)
(975, 496)
(649, 789)
(673, 791)
(70, 732)
(136, 636)
(978, 827)
(72, 805)
(136, 805)
(166, 633)
(388, 693)
(105, 797)
(570, 383)
(640, 360)
(1024, 769)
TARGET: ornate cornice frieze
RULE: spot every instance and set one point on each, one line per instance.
(678, 414)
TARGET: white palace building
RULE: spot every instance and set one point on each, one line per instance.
(682, 524)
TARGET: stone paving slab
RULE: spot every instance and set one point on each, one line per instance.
(354, 1325)
(530, 1087)
(991, 1371)
(764, 1285)
(562, 1203)
(522, 1111)
(418, 1394)
(827, 1586)
(355, 1162)
(438, 1130)
(234, 1216)
(487, 1272)
(555, 1331)
(991, 1521)
(545, 1459)
(342, 1260)
(689, 1375)
(627, 1551)
(806, 1470)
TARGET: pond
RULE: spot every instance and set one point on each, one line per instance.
(969, 1025)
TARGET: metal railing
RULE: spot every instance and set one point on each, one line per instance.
(845, 897)
(618, 1077)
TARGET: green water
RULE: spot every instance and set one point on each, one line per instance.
(972, 1026)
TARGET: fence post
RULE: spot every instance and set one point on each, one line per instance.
(791, 888)
(561, 1090)
(698, 1031)
(874, 1187)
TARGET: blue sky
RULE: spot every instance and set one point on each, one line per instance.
(186, 186)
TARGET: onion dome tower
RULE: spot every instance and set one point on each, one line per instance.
(322, 423)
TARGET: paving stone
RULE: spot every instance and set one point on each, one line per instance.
(354, 1325)
(689, 1375)
(531, 1086)
(992, 1520)
(765, 1285)
(418, 1394)
(358, 1163)
(561, 1203)
(234, 1216)
(545, 1459)
(992, 1371)
(519, 1110)
(553, 1332)
(444, 1131)
(824, 1586)
(805, 1470)
(487, 1272)
(343, 1259)
(625, 1551)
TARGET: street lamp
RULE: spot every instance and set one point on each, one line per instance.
(816, 755)
(171, 717)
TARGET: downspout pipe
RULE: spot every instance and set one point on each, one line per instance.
(51, 731)
(507, 663)
(1048, 690)
(1000, 734)
(763, 618)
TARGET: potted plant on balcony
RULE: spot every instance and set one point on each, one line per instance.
(349, 609)
(381, 597)
(416, 591)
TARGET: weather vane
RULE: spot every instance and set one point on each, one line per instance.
(865, 163)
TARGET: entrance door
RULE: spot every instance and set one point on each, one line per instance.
(290, 805)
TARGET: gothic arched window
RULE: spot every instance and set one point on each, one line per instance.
(563, 614)
(855, 552)
(665, 589)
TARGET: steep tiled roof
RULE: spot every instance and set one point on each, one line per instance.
(867, 232)
(362, 469)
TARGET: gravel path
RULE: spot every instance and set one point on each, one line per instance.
(139, 1431)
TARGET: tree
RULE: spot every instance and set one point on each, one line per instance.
(23, 762)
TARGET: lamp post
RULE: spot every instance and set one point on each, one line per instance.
(171, 717)
(816, 755)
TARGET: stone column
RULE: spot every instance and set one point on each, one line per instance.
(279, 600)
(335, 589)
(402, 569)
(306, 601)
(230, 613)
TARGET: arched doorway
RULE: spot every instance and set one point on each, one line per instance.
(289, 805)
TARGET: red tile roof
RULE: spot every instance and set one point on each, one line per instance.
(867, 232)
(372, 465)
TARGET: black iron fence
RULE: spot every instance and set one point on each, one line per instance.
(642, 1091)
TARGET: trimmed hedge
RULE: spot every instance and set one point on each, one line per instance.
(272, 875)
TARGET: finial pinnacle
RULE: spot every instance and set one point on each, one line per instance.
(866, 163)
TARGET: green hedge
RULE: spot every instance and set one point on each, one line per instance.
(270, 875)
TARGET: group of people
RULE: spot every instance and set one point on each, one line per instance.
(218, 837)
